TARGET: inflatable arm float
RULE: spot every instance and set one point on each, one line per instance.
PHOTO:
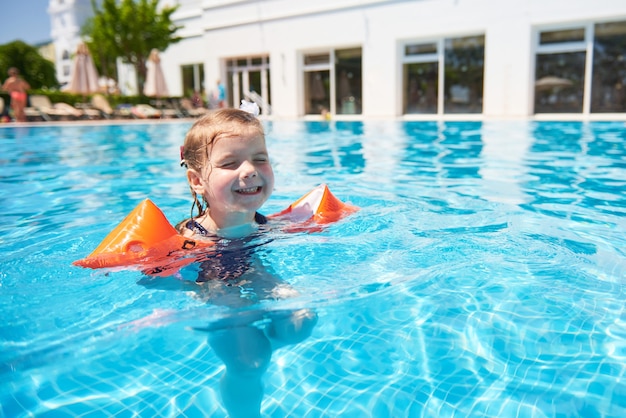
(146, 240)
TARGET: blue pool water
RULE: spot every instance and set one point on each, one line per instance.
(483, 276)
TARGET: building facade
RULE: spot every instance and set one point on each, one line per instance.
(392, 58)
(411, 59)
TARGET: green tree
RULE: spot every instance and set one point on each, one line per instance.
(128, 29)
(35, 69)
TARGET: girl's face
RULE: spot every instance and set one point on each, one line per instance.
(237, 180)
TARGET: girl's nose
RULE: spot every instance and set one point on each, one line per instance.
(248, 170)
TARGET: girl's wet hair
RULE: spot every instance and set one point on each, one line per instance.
(205, 132)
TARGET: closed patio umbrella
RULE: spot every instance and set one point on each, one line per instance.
(84, 77)
(155, 81)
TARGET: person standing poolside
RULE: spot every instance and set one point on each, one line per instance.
(230, 177)
(17, 87)
(221, 95)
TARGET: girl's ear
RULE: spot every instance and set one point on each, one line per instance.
(195, 182)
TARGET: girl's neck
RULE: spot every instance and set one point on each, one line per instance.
(233, 226)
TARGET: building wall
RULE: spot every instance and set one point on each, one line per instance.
(285, 29)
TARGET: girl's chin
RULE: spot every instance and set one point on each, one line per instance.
(249, 202)
(244, 211)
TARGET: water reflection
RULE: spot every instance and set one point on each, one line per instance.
(335, 145)
(443, 150)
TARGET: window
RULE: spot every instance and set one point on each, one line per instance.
(316, 92)
(443, 76)
(348, 86)
(317, 75)
(464, 63)
(249, 79)
(608, 87)
(193, 79)
(581, 69)
(560, 71)
(333, 82)
(560, 36)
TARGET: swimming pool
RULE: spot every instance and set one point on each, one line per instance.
(483, 276)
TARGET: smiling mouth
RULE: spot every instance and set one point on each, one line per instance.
(249, 190)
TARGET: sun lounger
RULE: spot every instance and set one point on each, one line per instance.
(168, 108)
(191, 111)
(145, 111)
(34, 114)
(4, 111)
(102, 104)
(41, 106)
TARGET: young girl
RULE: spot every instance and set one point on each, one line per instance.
(230, 177)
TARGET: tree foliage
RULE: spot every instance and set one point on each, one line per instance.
(128, 29)
(35, 69)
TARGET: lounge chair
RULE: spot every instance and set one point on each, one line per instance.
(32, 113)
(145, 111)
(41, 106)
(168, 108)
(101, 103)
(2, 115)
(189, 109)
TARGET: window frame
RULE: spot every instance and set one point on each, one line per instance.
(439, 58)
(331, 67)
(586, 45)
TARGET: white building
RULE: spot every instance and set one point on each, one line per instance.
(398, 58)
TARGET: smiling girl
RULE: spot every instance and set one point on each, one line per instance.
(230, 177)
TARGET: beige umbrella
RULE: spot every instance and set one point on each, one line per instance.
(84, 77)
(155, 81)
(550, 82)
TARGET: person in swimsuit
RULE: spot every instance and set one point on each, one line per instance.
(17, 87)
(230, 177)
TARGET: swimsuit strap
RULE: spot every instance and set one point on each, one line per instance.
(197, 228)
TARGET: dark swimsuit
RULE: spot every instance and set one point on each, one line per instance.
(231, 258)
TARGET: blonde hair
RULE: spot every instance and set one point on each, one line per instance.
(205, 132)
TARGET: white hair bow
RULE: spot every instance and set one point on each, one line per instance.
(250, 107)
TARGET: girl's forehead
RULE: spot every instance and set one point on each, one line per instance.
(241, 142)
